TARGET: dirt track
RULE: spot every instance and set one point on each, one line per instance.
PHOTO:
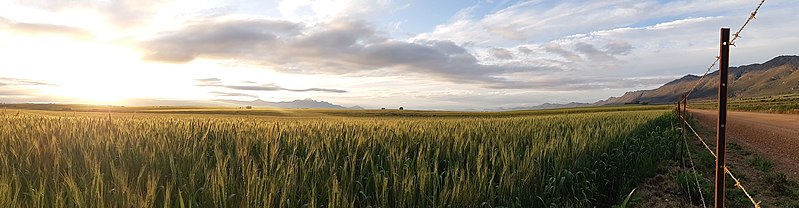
(775, 136)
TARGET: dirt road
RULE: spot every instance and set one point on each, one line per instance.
(775, 136)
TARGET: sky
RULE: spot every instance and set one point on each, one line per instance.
(420, 54)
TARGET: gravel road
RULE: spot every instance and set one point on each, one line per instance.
(775, 136)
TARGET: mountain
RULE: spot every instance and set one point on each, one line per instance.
(777, 76)
(356, 108)
(548, 106)
(306, 103)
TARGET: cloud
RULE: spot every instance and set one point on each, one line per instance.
(592, 52)
(311, 10)
(44, 29)
(231, 94)
(209, 80)
(23, 82)
(604, 42)
(15, 92)
(524, 50)
(18, 90)
(215, 82)
(219, 38)
(341, 46)
(557, 49)
(502, 53)
(618, 48)
(543, 21)
(122, 13)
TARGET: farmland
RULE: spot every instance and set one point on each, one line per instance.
(786, 104)
(334, 158)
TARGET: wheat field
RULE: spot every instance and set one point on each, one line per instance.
(60, 159)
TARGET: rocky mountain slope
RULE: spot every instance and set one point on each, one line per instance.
(777, 76)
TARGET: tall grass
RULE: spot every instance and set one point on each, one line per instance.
(590, 159)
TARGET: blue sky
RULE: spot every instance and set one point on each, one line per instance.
(384, 53)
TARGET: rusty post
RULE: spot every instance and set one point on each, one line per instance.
(681, 125)
(684, 113)
(721, 130)
(677, 110)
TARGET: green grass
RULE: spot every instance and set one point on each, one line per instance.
(771, 104)
(689, 189)
(565, 158)
(761, 164)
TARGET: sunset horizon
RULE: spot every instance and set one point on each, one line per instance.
(424, 55)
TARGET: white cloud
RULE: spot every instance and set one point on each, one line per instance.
(319, 10)
(529, 53)
(537, 21)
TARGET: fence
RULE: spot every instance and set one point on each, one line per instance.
(721, 168)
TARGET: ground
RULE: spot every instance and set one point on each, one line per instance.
(774, 136)
(761, 152)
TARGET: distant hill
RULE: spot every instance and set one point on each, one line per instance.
(777, 76)
(548, 106)
(305, 103)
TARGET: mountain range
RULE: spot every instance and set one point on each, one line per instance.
(777, 76)
(305, 103)
(546, 106)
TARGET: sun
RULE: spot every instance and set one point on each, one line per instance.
(102, 73)
(94, 93)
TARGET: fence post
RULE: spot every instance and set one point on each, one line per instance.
(684, 110)
(677, 110)
(721, 130)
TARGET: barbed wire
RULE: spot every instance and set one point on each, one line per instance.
(732, 42)
(726, 169)
(693, 170)
(751, 17)
(700, 139)
(738, 184)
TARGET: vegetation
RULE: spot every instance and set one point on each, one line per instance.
(771, 104)
(280, 112)
(566, 158)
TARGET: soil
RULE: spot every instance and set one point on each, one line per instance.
(754, 139)
(662, 191)
(774, 136)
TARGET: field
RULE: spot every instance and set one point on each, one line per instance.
(788, 104)
(335, 158)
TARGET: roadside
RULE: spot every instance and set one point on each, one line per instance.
(676, 186)
(773, 136)
(783, 104)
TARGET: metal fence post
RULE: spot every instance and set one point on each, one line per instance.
(724, 62)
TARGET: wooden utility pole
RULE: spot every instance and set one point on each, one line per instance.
(721, 130)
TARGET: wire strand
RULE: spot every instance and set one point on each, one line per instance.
(738, 184)
(726, 169)
(735, 37)
(693, 170)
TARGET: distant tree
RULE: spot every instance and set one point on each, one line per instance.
(382, 108)
(401, 108)
(249, 107)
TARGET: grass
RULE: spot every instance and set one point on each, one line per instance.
(689, 190)
(762, 164)
(770, 104)
(54, 109)
(564, 158)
